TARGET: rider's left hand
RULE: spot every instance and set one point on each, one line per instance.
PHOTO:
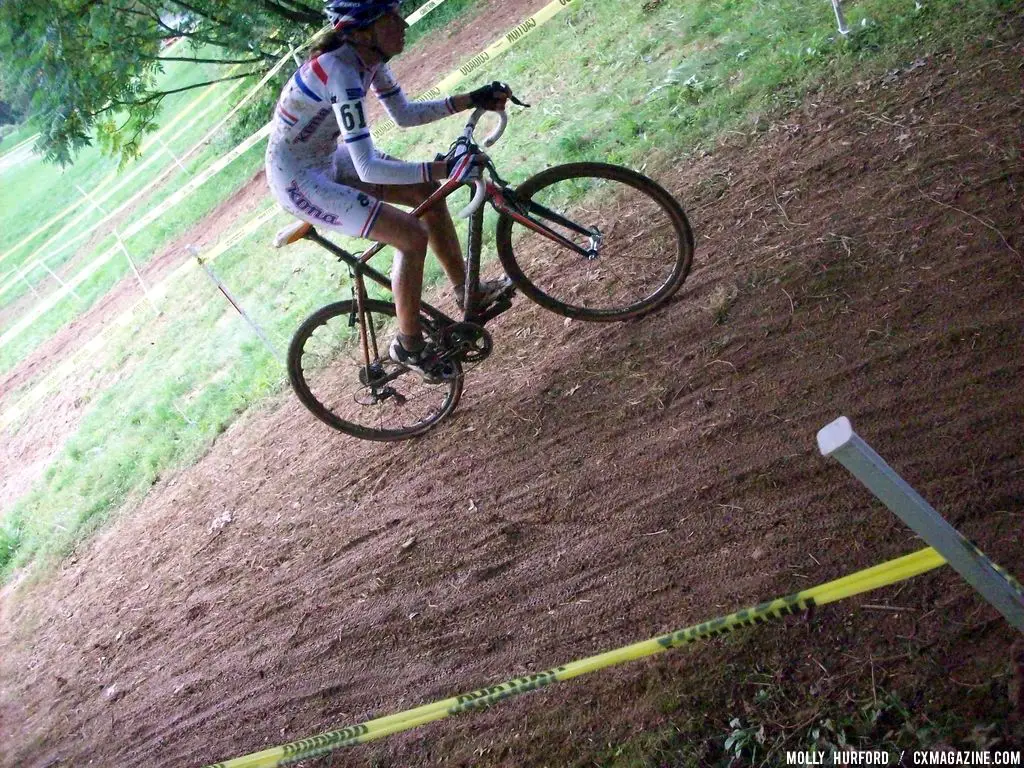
(492, 97)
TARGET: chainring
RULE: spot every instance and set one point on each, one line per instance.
(468, 342)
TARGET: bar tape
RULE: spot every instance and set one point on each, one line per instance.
(886, 574)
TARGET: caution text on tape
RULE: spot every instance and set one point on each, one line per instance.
(885, 574)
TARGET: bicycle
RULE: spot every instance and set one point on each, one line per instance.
(342, 373)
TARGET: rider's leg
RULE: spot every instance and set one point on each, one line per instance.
(409, 237)
(443, 240)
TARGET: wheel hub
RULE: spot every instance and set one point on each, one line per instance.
(596, 241)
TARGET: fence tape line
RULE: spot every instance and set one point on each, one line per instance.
(137, 226)
(413, 18)
(499, 46)
(170, 169)
(187, 110)
(422, 11)
(882, 575)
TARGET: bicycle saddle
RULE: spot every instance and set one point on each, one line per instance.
(291, 233)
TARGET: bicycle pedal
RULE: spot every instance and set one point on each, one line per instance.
(494, 309)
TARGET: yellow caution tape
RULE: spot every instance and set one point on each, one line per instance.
(883, 575)
(422, 11)
(499, 46)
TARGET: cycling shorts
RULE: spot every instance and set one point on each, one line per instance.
(319, 195)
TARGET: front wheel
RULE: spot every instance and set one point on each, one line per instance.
(595, 242)
(356, 388)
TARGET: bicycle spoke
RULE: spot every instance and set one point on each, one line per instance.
(373, 399)
(640, 248)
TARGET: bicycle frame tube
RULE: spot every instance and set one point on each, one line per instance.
(495, 194)
(476, 226)
(498, 200)
(360, 269)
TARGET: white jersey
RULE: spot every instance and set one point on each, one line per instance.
(305, 133)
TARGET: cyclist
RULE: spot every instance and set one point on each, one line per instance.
(348, 186)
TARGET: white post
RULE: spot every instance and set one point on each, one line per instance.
(21, 274)
(997, 587)
(840, 19)
(56, 277)
(238, 307)
(138, 275)
(91, 200)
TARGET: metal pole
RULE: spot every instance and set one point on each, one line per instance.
(21, 274)
(92, 201)
(174, 157)
(993, 583)
(138, 275)
(56, 277)
(238, 307)
(840, 19)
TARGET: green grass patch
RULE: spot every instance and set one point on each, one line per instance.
(33, 190)
(12, 135)
(876, 720)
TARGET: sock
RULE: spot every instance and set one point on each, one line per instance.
(412, 344)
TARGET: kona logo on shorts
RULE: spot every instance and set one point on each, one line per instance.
(312, 125)
(313, 211)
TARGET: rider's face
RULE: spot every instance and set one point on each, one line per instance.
(390, 29)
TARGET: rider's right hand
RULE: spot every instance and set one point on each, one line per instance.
(462, 164)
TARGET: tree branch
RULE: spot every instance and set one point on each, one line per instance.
(204, 14)
(155, 96)
(260, 60)
(224, 23)
(305, 16)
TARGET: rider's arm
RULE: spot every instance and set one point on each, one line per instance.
(347, 93)
(372, 168)
(409, 113)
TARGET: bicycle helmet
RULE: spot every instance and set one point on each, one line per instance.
(357, 14)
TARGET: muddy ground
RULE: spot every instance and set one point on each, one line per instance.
(600, 485)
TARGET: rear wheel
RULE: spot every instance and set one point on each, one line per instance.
(380, 401)
(633, 243)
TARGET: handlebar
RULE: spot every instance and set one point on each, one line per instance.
(490, 141)
(477, 201)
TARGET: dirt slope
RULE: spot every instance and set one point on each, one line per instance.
(599, 485)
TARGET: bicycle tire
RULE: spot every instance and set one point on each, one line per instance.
(299, 375)
(655, 199)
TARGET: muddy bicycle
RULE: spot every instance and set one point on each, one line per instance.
(589, 241)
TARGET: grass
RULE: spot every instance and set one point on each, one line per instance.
(36, 186)
(875, 720)
(12, 135)
(683, 74)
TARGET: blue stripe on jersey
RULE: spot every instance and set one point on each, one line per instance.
(358, 137)
(354, 93)
(389, 94)
(305, 88)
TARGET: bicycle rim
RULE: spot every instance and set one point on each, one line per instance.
(382, 401)
(640, 240)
